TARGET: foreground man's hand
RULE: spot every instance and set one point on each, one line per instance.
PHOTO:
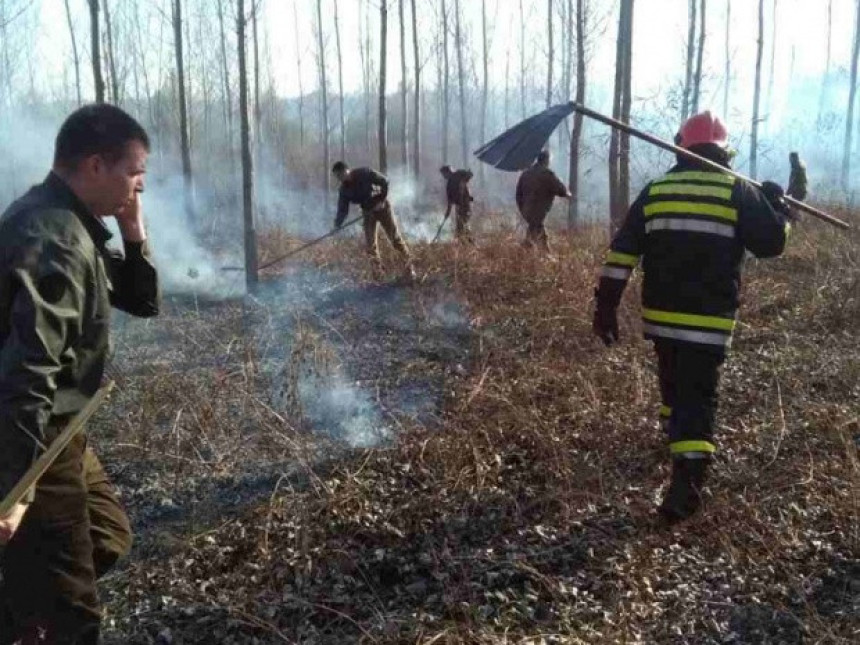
(10, 523)
(130, 220)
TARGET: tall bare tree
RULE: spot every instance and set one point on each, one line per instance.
(700, 54)
(550, 54)
(728, 71)
(825, 78)
(95, 51)
(416, 108)
(852, 95)
(184, 141)
(576, 135)
(757, 93)
(461, 80)
(258, 110)
(299, 76)
(250, 226)
(507, 101)
(485, 79)
(324, 134)
(111, 57)
(225, 80)
(691, 52)
(771, 71)
(404, 87)
(383, 56)
(522, 60)
(446, 83)
(340, 82)
(619, 144)
(75, 55)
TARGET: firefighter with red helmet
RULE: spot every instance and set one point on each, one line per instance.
(690, 230)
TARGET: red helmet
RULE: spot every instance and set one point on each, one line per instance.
(703, 128)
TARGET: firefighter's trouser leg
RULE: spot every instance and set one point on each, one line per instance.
(382, 216)
(689, 377)
(536, 234)
(462, 230)
(72, 533)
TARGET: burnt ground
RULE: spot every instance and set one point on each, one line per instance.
(222, 402)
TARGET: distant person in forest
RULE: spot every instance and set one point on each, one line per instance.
(690, 229)
(537, 188)
(797, 181)
(460, 199)
(369, 189)
(58, 283)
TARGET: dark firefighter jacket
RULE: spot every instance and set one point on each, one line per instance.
(363, 186)
(797, 182)
(58, 282)
(537, 187)
(457, 188)
(690, 229)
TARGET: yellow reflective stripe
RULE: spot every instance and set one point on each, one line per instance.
(693, 175)
(787, 230)
(665, 411)
(691, 208)
(691, 189)
(689, 320)
(691, 446)
(624, 259)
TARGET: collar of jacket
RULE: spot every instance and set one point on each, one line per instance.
(97, 230)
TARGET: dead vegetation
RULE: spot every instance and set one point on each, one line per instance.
(524, 513)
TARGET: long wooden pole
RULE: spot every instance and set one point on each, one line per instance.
(661, 143)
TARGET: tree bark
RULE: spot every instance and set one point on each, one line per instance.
(461, 80)
(576, 136)
(340, 82)
(416, 109)
(323, 99)
(522, 60)
(825, 78)
(446, 84)
(111, 58)
(75, 55)
(852, 95)
(691, 50)
(700, 55)
(728, 70)
(299, 71)
(250, 228)
(757, 93)
(551, 53)
(98, 79)
(769, 100)
(619, 144)
(383, 54)
(184, 142)
(485, 89)
(225, 80)
(404, 102)
(258, 110)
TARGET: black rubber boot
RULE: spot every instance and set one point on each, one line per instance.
(684, 495)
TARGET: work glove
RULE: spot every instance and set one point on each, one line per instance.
(774, 194)
(605, 323)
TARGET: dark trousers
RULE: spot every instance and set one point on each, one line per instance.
(462, 214)
(382, 216)
(536, 232)
(72, 534)
(689, 378)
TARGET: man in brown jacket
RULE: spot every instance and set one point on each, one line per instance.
(537, 188)
(58, 282)
(460, 199)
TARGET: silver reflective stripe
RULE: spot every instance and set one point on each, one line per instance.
(691, 225)
(689, 335)
(693, 455)
(616, 273)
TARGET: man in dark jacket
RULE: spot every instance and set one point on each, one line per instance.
(460, 199)
(797, 181)
(537, 188)
(369, 189)
(58, 282)
(690, 229)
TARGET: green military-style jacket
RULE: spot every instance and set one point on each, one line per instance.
(58, 282)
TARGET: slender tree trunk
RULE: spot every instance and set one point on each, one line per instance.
(446, 84)
(691, 50)
(247, 159)
(485, 89)
(75, 55)
(757, 93)
(769, 101)
(507, 87)
(728, 70)
(626, 101)
(225, 80)
(461, 80)
(111, 58)
(184, 142)
(700, 55)
(576, 136)
(323, 98)
(522, 60)
(340, 83)
(383, 56)
(404, 103)
(416, 109)
(551, 53)
(852, 95)
(619, 146)
(258, 110)
(96, 56)
(299, 71)
(825, 78)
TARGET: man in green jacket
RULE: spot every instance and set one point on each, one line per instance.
(58, 282)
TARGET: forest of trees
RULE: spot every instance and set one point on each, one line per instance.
(437, 78)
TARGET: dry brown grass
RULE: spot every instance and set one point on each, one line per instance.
(528, 516)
